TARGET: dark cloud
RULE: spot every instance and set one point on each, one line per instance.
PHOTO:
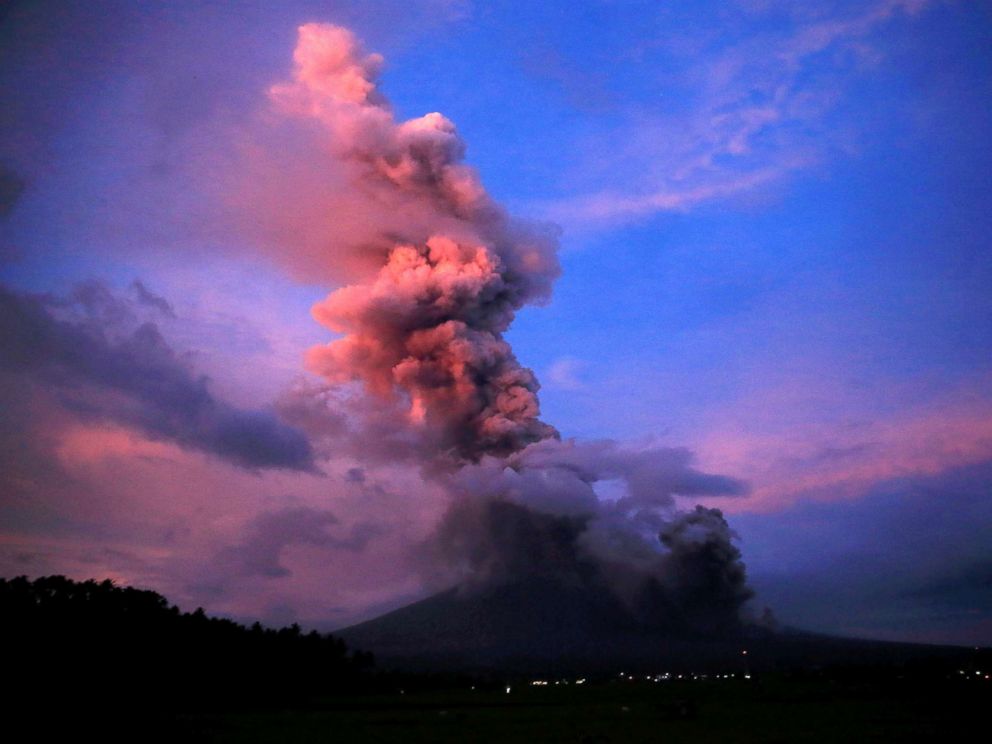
(701, 581)
(355, 475)
(149, 298)
(685, 576)
(269, 533)
(497, 541)
(79, 346)
(537, 514)
(260, 552)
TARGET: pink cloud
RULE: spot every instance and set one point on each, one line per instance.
(90, 499)
(841, 459)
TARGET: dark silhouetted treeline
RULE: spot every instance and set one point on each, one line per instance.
(98, 646)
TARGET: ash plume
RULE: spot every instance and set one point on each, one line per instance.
(425, 325)
(537, 514)
(437, 271)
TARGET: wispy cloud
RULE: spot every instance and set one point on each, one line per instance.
(737, 117)
(565, 373)
(844, 459)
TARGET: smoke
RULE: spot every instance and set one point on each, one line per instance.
(538, 514)
(437, 272)
(424, 325)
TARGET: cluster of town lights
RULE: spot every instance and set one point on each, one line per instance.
(665, 677)
(977, 674)
(545, 683)
(669, 676)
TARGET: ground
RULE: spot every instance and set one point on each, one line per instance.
(810, 708)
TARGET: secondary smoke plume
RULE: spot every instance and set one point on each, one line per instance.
(537, 514)
(439, 271)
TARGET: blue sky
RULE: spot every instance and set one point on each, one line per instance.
(775, 252)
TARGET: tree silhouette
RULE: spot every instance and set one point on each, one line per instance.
(87, 643)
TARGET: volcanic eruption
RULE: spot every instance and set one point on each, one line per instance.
(435, 272)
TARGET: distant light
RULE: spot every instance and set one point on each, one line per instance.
(744, 652)
(747, 676)
(508, 690)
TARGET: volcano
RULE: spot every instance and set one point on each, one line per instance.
(565, 553)
(544, 627)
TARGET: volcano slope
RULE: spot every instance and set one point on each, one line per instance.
(540, 626)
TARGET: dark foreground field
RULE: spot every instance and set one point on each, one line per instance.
(91, 661)
(773, 709)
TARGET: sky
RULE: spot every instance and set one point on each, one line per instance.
(771, 220)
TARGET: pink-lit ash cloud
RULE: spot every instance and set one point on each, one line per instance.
(426, 332)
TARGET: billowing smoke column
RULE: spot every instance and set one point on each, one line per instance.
(428, 323)
(440, 275)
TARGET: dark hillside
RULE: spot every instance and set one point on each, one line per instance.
(83, 643)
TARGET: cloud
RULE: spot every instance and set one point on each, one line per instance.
(842, 457)
(270, 533)
(78, 347)
(537, 513)
(909, 558)
(147, 297)
(564, 373)
(749, 112)
(695, 584)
